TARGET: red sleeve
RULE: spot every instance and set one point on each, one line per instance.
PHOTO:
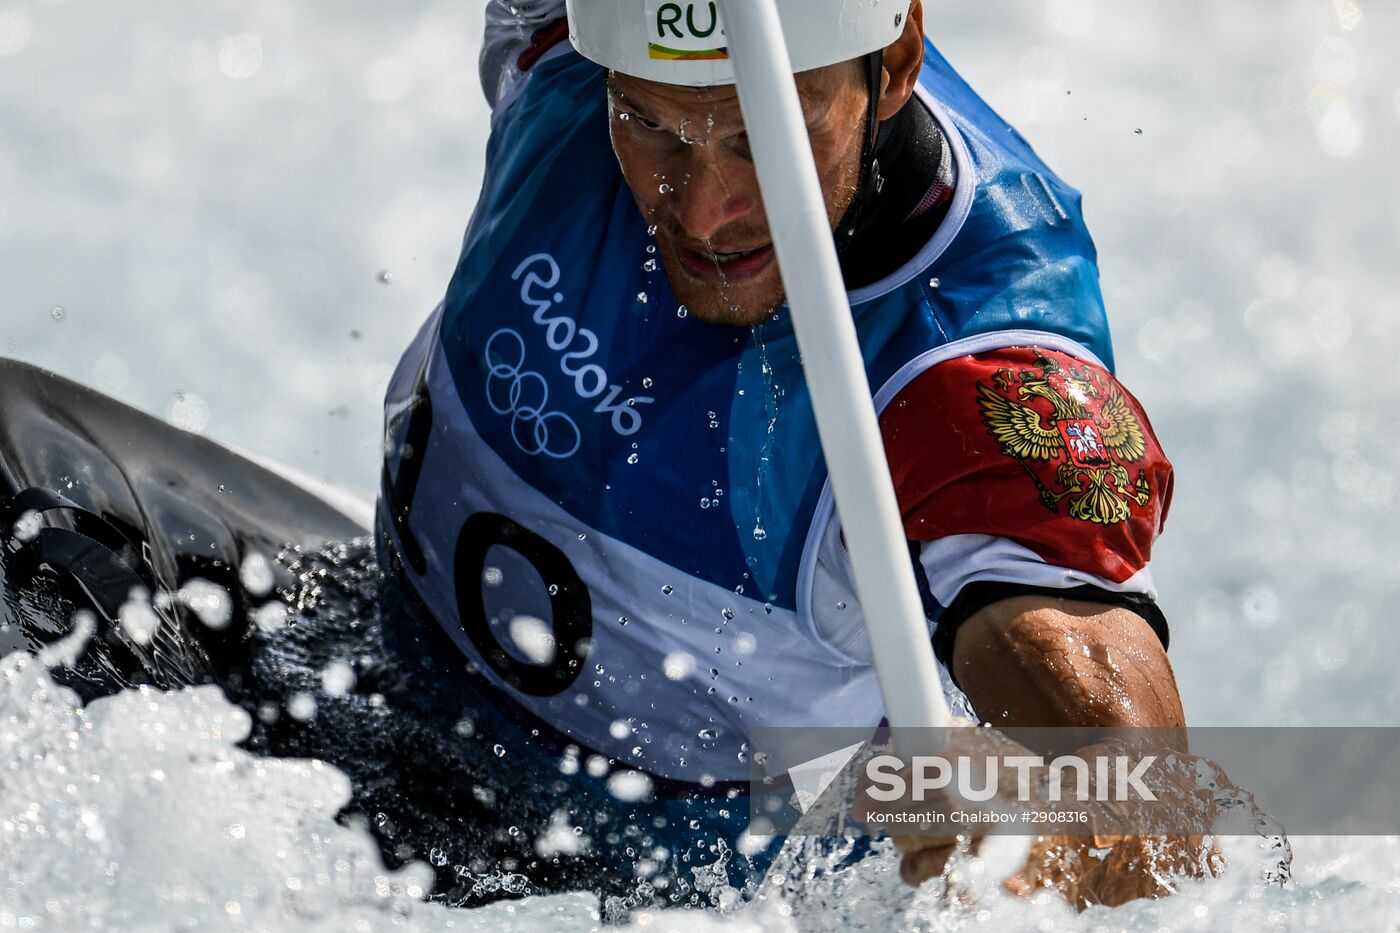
(1034, 446)
(544, 39)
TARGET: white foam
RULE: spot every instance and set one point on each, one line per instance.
(139, 812)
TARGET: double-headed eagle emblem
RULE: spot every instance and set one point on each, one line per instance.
(1090, 431)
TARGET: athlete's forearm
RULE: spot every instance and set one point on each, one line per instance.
(1033, 661)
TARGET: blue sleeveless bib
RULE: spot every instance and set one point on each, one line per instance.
(615, 510)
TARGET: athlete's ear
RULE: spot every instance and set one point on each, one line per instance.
(904, 58)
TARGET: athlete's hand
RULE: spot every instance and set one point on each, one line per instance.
(1102, 864)
(925, 854)
(1110, 859)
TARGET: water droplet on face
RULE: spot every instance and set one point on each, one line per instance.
(668, 589)
(625, 117)
(652, 248)
(385, 277)
(632, 459)
(934, 283)
(682, 311)
(642, 298)
(646, 383)
(651, 231)
(1138, 131)
(492, 576)
(649, 265)
(499, 750)
(665, 189)
(704, 503)
(57, 313)
(554, 589)
(841, 605)
(759, 533)
(582, 536)
(727, 613)
(709, 735)
(623, 620)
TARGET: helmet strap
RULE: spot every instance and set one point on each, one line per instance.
(870, 164)
(871, 181)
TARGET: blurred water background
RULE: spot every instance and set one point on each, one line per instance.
(236, 214)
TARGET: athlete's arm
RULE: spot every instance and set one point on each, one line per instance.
(517, 34)
(1039, 554)
(1039, 661)
(1036, 661)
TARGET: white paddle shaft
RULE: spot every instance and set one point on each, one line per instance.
(826, 336)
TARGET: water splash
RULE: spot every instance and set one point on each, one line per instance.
(770, 417)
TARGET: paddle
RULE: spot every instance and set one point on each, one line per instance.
(841, 397)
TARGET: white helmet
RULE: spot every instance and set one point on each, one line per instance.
(683, 42)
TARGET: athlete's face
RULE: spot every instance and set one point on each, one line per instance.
(685, 155)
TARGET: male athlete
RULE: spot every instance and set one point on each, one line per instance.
(603, 481)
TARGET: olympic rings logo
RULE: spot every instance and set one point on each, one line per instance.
(523, 395)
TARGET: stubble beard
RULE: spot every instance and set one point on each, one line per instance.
(744, 304)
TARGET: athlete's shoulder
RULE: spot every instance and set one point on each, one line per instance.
(517, 36)
(995, 144)
(1015, 252)
(1028, 437)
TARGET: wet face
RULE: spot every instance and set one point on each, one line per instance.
(685, 155)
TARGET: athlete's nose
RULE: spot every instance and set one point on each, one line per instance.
(707, 200)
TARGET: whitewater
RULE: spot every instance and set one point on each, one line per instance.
(235, 215)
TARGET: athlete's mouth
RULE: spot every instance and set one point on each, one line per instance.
(728, 266)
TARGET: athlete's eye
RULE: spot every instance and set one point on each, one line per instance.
(646, 124)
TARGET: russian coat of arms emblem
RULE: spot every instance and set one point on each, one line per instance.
(1076, 426)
